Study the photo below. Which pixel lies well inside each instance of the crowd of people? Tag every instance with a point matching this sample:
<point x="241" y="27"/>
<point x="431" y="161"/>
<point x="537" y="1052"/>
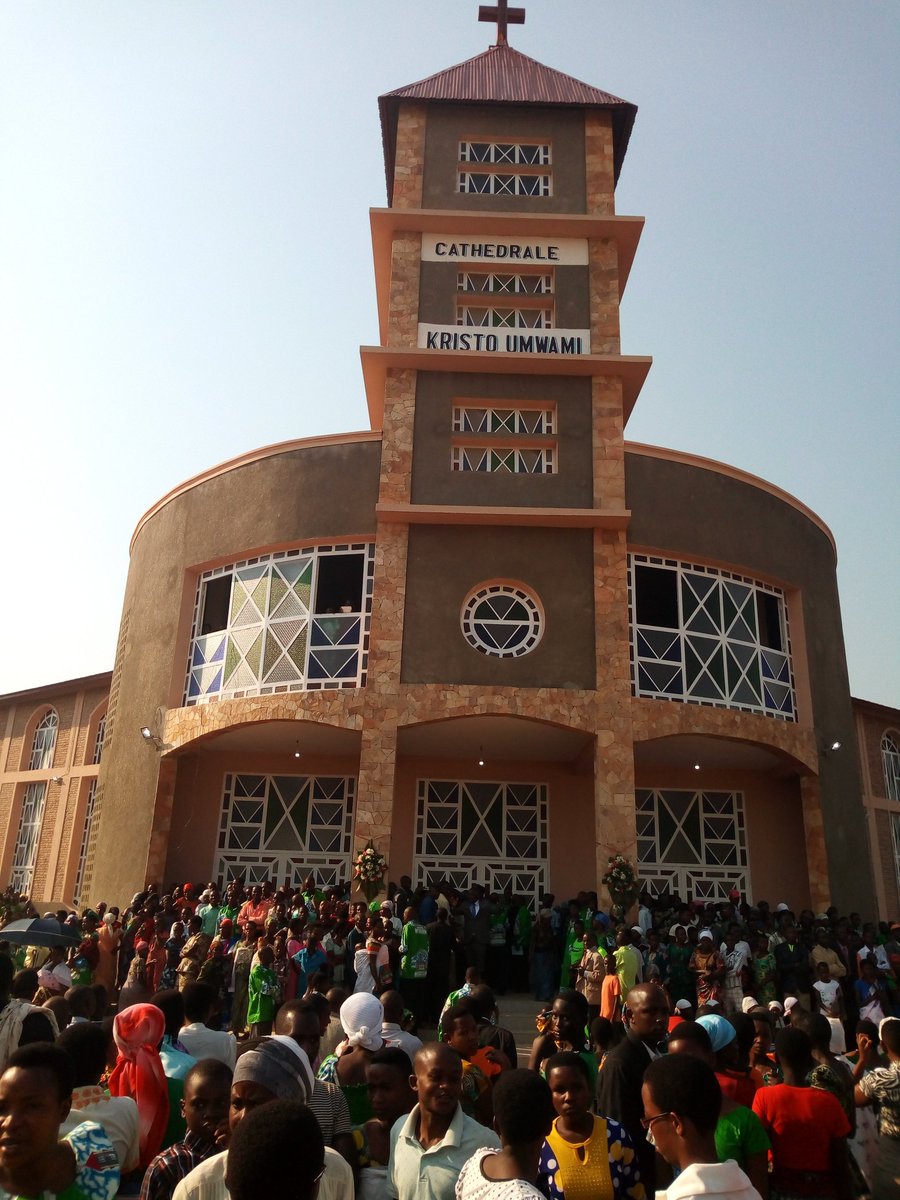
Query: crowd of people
<point x="201" y="1045"/>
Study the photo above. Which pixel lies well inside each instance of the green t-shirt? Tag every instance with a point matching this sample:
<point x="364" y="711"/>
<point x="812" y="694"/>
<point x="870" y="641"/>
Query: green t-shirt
<point x="413" y="951"/>
<point x="739" y="1134"/>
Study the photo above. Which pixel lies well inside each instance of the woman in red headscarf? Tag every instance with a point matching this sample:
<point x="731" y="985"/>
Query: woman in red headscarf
<point x="138" y="1073"/>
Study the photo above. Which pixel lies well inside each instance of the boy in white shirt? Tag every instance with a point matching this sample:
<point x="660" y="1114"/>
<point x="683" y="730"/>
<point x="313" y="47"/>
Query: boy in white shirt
<point x="830" y="1003"/>
<point x="682" y="1099"/>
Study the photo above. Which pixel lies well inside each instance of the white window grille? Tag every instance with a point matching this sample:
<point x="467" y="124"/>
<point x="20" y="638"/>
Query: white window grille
<point x="85" y="836"/>
<point x="99" y="739"/>
<point x="44" y="743"/>
<point x="494" y="460"/>
<point x="490" y="419"/>
<point x="502" y="621"/>
<point x="284" y="827"/>
<point x="515" y="153"/>
<point x="495" y="284"/>
<point x="705" y="636"/>
<point x="295" y="621"/>
<point x="505" y="318"/>
<point x="691" y="843"/>
<point x="477" y="831"/>
<point x="890" y="761"/>
<point x="491" y="184"/>
<point x="25" y="853"/>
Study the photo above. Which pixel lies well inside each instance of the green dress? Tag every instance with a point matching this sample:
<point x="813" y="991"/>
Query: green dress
<point x="262" y="989"/>
<point x="681" y="985"/>
<point x="762" y="965"/>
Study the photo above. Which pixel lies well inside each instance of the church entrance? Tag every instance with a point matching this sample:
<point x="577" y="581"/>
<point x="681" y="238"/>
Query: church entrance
<point x="492" y="833"/>
<point x="284" y="827"/>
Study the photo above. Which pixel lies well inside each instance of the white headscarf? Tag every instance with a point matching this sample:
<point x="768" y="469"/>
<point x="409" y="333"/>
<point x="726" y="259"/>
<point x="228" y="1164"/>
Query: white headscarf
<point x="361" y="1017"/>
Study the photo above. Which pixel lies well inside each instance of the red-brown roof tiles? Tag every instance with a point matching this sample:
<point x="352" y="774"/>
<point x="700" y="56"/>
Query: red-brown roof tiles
<point x="502" y="75"/>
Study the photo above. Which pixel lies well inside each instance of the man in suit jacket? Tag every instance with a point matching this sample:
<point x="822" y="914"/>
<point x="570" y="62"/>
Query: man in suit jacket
<point x="477" y="926"/>
<point x="646" y="1016"/>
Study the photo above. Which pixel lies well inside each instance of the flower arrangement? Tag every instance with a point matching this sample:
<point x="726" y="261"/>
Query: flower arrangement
<point x="621" y="881"/>
<point x="369" y="869"/>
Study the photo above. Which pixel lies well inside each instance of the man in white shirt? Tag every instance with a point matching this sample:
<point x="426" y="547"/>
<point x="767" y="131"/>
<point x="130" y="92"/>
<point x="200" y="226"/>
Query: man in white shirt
<point x="196" y="1037"/>
<point x="430" y="1147"/>
<point x="391" y="1029"/>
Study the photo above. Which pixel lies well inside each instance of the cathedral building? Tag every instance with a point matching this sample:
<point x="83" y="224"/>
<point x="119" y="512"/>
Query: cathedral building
<point x="488" y="634"/>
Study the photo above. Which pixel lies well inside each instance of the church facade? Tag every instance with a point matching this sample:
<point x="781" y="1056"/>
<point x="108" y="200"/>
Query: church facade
<point x="489" y="634"/>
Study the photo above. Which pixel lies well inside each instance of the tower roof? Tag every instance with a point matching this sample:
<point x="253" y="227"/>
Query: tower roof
<point x="502" y="75"/>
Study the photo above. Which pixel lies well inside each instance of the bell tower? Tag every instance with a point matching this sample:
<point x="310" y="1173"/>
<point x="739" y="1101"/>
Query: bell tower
<point x="502" y="396"/>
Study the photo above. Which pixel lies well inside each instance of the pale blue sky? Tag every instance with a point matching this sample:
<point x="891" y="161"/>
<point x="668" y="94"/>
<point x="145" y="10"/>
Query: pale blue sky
<point x="185" y="262"/>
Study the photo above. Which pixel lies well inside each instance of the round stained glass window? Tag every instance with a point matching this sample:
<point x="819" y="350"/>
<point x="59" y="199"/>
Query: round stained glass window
<point x="502" y="620"/>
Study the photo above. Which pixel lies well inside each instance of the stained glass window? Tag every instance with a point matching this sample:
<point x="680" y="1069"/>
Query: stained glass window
<point x="509" y="459"/>
<point x="505" y="318"/>
<point x="286" y="825"/>
<point x="502" y="621"/>
<point x="518" y="153"/>
<point x="890" y="760"/>
<point x="25" y="853"/>
<point x="691" y="843"/>
<point x="496" y="283"/>
<point x="489" y="418"/>
<point x="487" y="832"/>
<point x="295" y="621"/>
<point x="85" y="838"/>
<point x="44" y="743"/>
<point x="99" y="740"/>
<point x="709" y="637"/>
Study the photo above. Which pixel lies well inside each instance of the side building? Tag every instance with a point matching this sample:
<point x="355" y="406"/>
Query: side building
<point x="489" y="634"/>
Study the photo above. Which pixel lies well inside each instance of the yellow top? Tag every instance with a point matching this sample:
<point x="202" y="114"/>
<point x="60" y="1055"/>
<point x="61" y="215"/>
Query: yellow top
<point x="583" y="1172"/>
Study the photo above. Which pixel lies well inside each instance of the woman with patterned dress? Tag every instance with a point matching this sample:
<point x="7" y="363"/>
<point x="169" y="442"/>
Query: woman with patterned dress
<point x="584" y="1156"/>
<point x="244" y="951"/>
<point x="762" y="969"/>
<point x="680" y="983"/>
<point x="881" y="1086"/>
<point x="708" y="967"/>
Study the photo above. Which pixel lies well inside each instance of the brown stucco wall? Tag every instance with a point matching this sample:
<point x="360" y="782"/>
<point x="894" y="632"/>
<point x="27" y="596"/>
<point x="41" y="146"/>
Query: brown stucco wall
<point x="446" y="562"/>
<point x="433" y="480"/>
<point x="449" y="124"/>
<point x="438" y="293"/>
<point x="309" y="494"/>
<point x="689" y="511"/>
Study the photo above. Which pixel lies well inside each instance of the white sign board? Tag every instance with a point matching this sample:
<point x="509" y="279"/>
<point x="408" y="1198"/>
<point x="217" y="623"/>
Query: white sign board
<point x="504" y="341"/>
<point x="502" y="251"/>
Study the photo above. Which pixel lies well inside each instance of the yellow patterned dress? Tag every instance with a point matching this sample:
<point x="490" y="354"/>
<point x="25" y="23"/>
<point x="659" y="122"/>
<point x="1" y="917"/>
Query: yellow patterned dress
<point x="603" y="1167"/>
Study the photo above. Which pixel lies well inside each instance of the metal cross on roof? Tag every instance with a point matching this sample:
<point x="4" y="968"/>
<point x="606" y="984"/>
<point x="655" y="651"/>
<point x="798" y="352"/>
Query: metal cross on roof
<point x="503" y="15"/>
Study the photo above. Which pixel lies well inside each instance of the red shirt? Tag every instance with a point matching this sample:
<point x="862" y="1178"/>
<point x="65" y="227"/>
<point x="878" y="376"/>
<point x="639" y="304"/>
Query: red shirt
<point x="739" y="1086"/>
<point x="802" y="1123"/>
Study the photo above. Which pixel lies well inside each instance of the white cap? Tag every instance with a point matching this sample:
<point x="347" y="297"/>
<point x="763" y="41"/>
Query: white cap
<point x="777" y="1005"/>
<point x="782" y="907"/>
<point x="705" y="933"/>
<point x="789" y="1002"/>
<point x="749" y="1002"/>
<point x="681" y="1005"/>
